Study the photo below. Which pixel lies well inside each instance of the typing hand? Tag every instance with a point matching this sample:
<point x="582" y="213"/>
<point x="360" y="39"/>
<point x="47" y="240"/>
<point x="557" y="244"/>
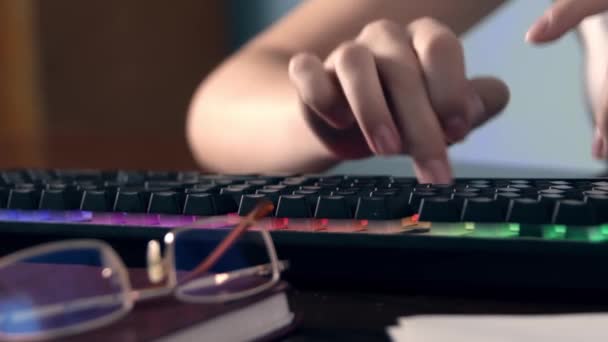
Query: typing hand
<point x="394" y="90"/>
<point x="561" y="17"/>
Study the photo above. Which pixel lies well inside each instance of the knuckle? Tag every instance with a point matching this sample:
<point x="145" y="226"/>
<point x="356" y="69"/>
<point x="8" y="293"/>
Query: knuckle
<point x="440" y="42"/>
<point x="349" y="56"/>
<point x="381" y="31"/>
<point x="425" y="21"/>
<point x="380" y="27"/>
<point x="301" y="64"/>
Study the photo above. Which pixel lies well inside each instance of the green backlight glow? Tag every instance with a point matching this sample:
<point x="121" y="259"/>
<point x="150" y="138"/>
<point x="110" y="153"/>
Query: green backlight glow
<point x="514" y="227"/>
<point x="469" y="225"/>
<point x="554" y="231"/>
<point x="560" y="229"/>
<point x="604" y="229"/>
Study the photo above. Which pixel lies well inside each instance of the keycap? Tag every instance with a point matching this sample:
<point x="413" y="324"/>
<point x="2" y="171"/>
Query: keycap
<point x="483" y="209"/>
<point x="506" y="197"/>
<point x="509" y="190"/>
<point x="3" y="196"/>
<point x="562" y="187"/>
<point x="129" y="202"/>
<point x="26" y="199"/>
<point x="165" y="202"/>
<point x="225" y="204"/>
<point x="551" y="191"/>
<point x="293" y="206"/>
<point x="249" y="201"/>
<point x="416" y="197"/>
<point x="600" y="206"/>
<point x="200" y="204"/>
<point x="333" y="207"/>
<point x="398" y="203"/>
<point x="460" y="197"/>
<point x="237" y="190"/>
<point x="372" y="208"/>
<point x="573" y="212"/>
<point x="527" y="210"/>
<point x="96" y="200"/>
<point x="281" y="188"/>
<point x="439" y="209"/>
<point x="60" y="199"/>
<point x="591" y="193"/>
<point x="271" y="194"/>
<point x="559" y="182"/>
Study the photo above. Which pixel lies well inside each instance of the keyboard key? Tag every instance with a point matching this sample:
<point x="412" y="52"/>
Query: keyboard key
<point x="333" y="207"/>
<point x="416" y="198"/>
<point x="129" y="202"/>
<point x="573" y="212"/>
<point x="25" y="199"/>
<point x="249" y="201"/>
<point x="60" y="199"/>
<point x="3" y="196"/>
<point x="506" y="197"/>
<point x="600" y="206"/>
<point x="527" y="210"/>
<point x="271" y="194"/>
<point x="483" y="209"/>
<point x="372" y="208"/>
<point x="96" y="200"/>
<point x="166" y="202"/>
<point x="293" y="206"/>
<point x="439" y="209"/>
<point x="200" y="204"/>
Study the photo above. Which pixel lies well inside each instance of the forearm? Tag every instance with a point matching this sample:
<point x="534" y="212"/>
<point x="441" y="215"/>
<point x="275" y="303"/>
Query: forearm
<point x="246" y="118"/>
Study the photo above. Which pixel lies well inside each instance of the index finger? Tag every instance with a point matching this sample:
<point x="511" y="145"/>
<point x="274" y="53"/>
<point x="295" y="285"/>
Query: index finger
<point x="563" y="16"/>
<point x="408" y="100"/>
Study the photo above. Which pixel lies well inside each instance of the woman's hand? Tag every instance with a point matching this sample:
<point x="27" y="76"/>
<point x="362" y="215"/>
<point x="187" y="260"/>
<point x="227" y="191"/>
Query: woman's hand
<point x="395" y="90"/>
<point x="561" y="17"/>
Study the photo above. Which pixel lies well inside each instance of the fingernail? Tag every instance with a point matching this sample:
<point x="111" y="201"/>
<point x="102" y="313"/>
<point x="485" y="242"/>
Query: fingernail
<point x="538" y="29"/>
<point x="386" y="141"/>
<point x="436" y="171"/>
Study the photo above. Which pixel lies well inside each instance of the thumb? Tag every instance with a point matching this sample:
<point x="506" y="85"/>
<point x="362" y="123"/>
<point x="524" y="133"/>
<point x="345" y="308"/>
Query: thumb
<point x="561" y="17"/>
<point x="494" y="95"/>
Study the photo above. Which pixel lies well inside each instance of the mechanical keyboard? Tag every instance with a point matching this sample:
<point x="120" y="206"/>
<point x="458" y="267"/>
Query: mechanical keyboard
<point x="342" y="231"/>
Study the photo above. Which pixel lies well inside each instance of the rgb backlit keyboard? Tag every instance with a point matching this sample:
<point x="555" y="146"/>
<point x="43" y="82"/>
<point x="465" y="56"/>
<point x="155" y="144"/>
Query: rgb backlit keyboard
<point x="367" y="231"/>
<point x="534" y="201"/>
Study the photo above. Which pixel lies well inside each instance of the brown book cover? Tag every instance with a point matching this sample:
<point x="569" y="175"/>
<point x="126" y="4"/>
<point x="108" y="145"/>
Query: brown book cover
<point x="258" y="318"/>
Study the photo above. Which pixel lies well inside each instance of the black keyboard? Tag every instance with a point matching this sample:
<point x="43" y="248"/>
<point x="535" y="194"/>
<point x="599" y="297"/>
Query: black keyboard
<point x="338" y="230"/>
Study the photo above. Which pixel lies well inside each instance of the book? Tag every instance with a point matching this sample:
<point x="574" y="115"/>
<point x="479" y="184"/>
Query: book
<point x="168" y="319"/>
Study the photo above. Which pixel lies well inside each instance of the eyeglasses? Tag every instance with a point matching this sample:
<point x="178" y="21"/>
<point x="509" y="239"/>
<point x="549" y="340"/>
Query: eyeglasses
<point x="68" y="287"/>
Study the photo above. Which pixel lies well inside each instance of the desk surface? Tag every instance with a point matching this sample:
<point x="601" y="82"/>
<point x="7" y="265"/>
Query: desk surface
<point x="356" y="316"/>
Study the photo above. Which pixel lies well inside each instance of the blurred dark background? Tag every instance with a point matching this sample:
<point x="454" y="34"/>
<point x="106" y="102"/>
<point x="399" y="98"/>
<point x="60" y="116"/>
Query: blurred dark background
<point x="106" y="84"/>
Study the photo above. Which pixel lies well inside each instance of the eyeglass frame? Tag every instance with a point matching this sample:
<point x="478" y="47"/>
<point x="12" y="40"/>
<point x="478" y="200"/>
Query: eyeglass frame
<point x="129" y="295"/>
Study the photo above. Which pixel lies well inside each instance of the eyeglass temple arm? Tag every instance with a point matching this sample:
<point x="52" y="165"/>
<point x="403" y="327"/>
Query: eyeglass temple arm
<point x="262" y="209"/>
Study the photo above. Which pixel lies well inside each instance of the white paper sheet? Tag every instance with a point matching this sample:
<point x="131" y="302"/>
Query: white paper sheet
<point x="502" y="328"/>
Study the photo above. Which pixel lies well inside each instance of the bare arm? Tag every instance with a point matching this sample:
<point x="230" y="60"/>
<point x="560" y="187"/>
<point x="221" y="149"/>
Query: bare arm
<point x="247" y="117"/>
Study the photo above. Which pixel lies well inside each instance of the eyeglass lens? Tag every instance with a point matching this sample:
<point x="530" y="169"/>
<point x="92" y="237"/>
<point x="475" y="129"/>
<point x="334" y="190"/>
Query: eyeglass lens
<point x="59" y="289"/>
